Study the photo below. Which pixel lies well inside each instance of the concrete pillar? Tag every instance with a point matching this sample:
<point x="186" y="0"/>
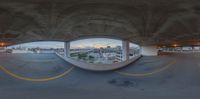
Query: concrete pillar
<point x="67" y="49"/>
<point x="125" y="50"/>
<point x="149" y="50"/>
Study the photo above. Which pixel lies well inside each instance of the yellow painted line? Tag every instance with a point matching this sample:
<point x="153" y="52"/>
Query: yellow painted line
<point x="35" y="79"/>
<point x="149" y="73"/>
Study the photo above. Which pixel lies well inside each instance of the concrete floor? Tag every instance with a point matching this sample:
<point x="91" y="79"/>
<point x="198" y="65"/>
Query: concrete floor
<point x="180" y="81"/>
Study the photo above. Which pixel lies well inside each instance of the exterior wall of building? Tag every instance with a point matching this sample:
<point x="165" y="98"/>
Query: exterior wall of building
<point x="119" y="57"/>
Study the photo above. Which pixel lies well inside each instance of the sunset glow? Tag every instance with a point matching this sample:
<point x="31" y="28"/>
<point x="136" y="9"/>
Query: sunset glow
<point x="95" y="43"/>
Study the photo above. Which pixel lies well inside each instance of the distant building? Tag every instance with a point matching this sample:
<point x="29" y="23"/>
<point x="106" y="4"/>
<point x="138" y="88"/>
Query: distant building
<point x="119" y="57"/>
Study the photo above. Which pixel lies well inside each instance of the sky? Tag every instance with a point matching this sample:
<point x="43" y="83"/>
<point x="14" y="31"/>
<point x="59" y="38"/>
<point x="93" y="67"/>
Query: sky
<point x="95" y="42"/>
<point x="41" y="44"/>
<point x="92" y="42"/>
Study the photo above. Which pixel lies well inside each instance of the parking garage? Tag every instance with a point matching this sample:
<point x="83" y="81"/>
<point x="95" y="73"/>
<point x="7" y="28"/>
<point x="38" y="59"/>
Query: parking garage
<point x="94" y="49"/>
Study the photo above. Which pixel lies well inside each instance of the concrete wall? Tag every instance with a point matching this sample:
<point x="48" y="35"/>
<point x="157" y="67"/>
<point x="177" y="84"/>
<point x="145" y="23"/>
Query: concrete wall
<point x="21" y="51"/>
<point x="99" y="67"/>
<point x="149" y="50"/>
<point x="2" y="49"/>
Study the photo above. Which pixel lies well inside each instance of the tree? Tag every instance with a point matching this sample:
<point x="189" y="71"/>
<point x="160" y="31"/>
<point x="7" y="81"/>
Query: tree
<point x="91" y="57"/>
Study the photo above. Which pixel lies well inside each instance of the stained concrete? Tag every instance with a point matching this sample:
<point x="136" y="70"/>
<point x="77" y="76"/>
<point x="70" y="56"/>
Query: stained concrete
<point x="179" y="81"/>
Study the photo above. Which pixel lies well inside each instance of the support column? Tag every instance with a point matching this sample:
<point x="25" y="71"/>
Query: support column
<point x="149" y="50"/>
<point x="67" y="49"/>
<point x="125" y="50"/>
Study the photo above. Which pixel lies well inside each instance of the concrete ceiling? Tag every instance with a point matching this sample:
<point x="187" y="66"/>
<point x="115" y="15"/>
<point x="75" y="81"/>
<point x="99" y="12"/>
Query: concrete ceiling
<point x="144" y="22"/>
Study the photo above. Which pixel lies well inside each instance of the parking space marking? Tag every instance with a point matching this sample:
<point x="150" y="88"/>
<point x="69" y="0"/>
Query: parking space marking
<point x="35" y="79"/>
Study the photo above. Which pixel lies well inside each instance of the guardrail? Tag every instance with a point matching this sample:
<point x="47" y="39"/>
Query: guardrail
<point x="98" y="67"/>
